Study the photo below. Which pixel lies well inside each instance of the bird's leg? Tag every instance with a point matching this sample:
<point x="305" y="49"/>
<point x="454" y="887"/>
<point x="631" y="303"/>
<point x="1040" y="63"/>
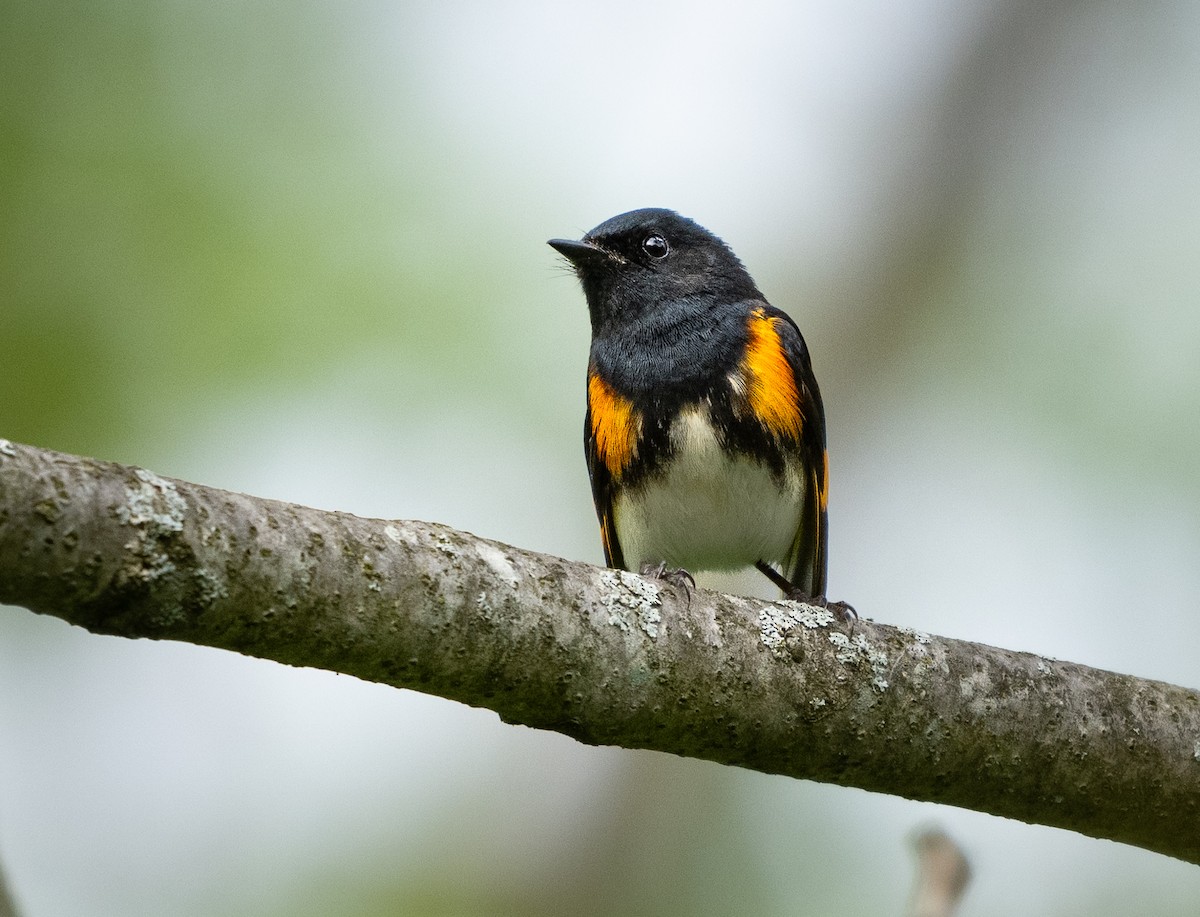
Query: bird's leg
<point x="844" y="610"/>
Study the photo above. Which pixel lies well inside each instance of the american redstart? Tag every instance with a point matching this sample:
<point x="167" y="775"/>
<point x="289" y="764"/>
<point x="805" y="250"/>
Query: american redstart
<point x="704" y="433"/>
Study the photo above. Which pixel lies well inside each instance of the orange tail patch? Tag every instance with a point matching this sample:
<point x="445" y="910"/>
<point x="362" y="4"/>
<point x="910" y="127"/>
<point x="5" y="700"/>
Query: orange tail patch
<point x="616" y="425"/>
<point x="824" y="485"/>
<point x="770" y="381"/>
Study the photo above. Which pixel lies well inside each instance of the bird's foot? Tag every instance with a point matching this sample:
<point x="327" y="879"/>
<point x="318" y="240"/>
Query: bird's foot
<point x="843" y="610"/>
<point x="678" y="577"/>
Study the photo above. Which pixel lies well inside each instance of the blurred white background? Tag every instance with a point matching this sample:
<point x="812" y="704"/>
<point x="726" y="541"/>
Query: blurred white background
<point x="298" y="251"/>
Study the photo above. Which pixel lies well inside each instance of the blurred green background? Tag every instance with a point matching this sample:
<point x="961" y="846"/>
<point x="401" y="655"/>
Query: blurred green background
<point x="298" y="250"/>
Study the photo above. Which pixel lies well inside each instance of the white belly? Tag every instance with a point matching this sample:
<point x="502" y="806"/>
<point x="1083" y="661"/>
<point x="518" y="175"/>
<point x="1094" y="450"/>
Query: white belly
<point x="710" y="511"/>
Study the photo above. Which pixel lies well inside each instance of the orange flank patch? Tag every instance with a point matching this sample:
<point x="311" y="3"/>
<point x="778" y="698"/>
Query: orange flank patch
<point x="770" y="382"/>
<point x="615" y="425"/>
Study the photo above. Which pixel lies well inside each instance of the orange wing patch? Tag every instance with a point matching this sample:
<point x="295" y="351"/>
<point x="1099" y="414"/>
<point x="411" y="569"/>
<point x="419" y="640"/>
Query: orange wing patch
<point x="770" y="381"/>
<point x="616" y="425"/>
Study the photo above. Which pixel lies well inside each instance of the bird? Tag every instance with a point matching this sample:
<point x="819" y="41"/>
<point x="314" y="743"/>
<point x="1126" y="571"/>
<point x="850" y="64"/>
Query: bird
<point x="704" y="431"/>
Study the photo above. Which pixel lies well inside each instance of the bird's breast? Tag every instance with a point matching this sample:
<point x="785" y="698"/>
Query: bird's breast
<point x="708" y="507"/>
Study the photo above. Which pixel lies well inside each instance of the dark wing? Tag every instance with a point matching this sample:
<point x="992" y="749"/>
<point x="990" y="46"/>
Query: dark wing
<point x="805" y="567"/>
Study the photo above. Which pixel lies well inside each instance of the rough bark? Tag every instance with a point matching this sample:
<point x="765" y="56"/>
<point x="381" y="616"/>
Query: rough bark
<point x="603" y="656"/>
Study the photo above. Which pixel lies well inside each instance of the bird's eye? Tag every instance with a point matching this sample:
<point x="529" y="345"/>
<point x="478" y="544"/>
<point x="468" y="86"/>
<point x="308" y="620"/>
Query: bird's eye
<point x="655" y="246"/>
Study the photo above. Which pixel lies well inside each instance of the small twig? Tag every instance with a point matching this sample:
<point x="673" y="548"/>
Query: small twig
<point x="942" y="875"/>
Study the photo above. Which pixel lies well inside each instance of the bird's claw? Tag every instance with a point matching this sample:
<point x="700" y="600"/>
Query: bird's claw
<point x="677" y="577"/>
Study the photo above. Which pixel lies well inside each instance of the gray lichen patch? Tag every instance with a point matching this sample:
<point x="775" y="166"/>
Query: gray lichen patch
<point x="926" y="657"/>
<point x="154" y="504"/>
<point x="853" y="651"/>
<point x="155" y="509"/>
<point x="397" y="535"/>
<point x="631" y="601"/>
<point x="208" y="589"/>
<point x="371" y="573"/>
<point x="919" y="636"/>
<point x="774" y="622"/>
<point x="498" y="563"/>
<point x="978" y="692"/>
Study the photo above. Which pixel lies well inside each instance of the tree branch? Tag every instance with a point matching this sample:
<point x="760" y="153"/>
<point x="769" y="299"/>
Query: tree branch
<point x="600" y="655"/>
